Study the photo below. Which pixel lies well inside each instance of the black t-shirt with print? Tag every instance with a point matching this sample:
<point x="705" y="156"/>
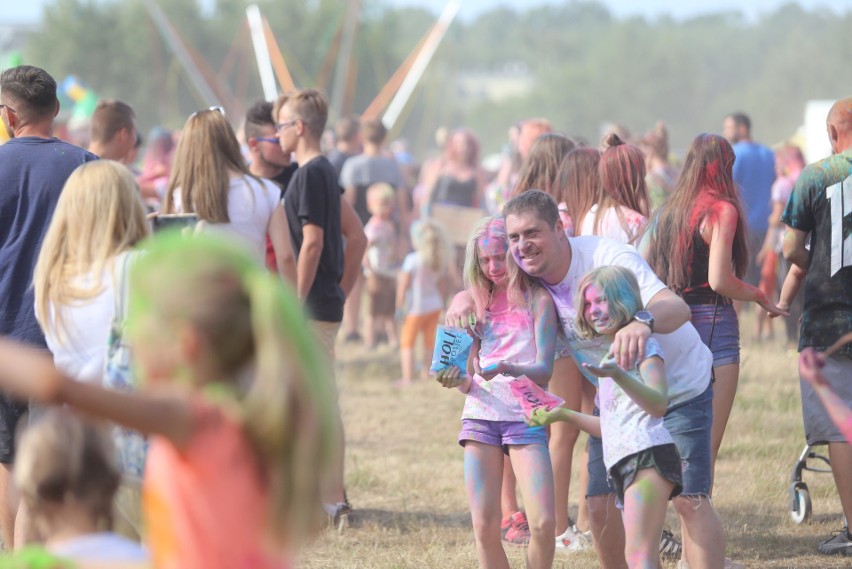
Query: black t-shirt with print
<point x="313" y="196"/>
<point x="821" y="204"/>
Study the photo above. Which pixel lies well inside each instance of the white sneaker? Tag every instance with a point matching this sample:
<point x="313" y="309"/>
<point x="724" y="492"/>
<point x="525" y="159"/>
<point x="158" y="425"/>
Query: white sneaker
<point x="573" y="540"/>
<point x="729" y="564"/>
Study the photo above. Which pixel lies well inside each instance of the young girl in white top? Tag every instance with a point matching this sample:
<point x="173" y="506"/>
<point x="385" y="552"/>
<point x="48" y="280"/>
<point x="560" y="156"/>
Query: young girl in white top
<point x="98" y="218"/>
<point x="518" y="341"/>
<point x="421" y="291"/>
<point x="67" y="475"/>
<point x="639" y="453"/>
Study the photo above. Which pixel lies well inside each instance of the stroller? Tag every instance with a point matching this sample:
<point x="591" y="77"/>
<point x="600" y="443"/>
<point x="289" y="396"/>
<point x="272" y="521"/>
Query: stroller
<point x="801" y="507"/>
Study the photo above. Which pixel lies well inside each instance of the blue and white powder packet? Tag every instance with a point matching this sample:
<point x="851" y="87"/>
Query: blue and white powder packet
<point x="452" y="348"/>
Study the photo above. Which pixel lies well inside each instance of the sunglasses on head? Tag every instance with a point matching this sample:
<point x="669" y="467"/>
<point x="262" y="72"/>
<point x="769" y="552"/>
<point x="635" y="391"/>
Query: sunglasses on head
<point x="219" y="109"/>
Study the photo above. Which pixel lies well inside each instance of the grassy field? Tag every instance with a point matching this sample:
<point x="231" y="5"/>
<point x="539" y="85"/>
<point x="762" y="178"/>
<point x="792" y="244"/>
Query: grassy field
<point x="404" y="473"/>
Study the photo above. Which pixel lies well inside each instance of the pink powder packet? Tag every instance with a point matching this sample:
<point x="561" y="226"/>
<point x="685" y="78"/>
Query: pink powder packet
<point x="531" y="396"/>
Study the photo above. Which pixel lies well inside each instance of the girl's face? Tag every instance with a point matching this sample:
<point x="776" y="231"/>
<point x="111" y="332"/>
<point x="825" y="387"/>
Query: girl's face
<point x="492" y="258"/>
<point x="596" y="310"/>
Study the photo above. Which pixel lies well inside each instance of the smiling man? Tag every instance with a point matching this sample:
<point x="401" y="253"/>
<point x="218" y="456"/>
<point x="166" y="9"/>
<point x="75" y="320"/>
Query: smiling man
<point x="539" y="245"/>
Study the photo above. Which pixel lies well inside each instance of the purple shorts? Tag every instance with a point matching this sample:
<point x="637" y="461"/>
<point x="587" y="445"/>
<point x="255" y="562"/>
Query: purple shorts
<point x="501" y="433"/>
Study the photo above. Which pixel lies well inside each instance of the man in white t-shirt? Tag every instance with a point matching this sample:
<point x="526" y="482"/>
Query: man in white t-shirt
<point x="541" y="248"/>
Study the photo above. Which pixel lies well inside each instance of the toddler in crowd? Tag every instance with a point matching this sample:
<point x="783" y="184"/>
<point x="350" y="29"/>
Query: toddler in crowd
<point x="421" y="293"/>
<point x="380" y="264"/>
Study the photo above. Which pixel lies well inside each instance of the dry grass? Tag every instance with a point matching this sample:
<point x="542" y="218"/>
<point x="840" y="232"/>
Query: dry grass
<point x="404" y="473"/>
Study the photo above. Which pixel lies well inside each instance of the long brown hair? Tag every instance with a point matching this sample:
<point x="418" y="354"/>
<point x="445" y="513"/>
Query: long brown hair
<point x="541" y="166"/>
<point x="578" y="183"/>
<point x="622" y="171"/>
<point x="706" y="179"/>
<point x="206" y="152"/>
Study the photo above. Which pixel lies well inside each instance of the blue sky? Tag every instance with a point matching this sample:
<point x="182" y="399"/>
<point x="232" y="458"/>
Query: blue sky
<point x="29" y="11"/>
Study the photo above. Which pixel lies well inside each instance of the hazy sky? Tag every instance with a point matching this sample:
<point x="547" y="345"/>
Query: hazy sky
<point x="29" y="11"/>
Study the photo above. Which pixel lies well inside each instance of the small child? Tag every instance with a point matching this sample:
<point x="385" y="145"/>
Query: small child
<point x="422" y="280"/>
<point x="239" y="406"/>
<point x="639" y="452"/>
<point x="68" y="477"/>
<point x="518" y="340"/>
<point x="380" y="264"/>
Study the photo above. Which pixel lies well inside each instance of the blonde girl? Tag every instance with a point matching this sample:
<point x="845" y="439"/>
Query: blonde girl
<point x="421" y="293"/>
<point x="238" y="405"/>
<point x="67" y="476"/>
<point x="99" y="217"/>
<point x="518" y="340"/>
<point x="639" y="453"/>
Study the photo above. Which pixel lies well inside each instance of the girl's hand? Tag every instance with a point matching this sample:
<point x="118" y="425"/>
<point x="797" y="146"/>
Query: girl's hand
<point x="28" y="373"/>
<point x="450" y="377"/>
<point x="783" y="307"/>
<point x="770" y="308"/>
<point x="490" y="372"/>
<point x="811" y="363"/>
<point x="541" y="417"/>
<point x="607" y="368"/>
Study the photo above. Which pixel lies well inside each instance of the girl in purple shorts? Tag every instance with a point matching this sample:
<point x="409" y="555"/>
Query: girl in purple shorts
<point x="518" y="339"/>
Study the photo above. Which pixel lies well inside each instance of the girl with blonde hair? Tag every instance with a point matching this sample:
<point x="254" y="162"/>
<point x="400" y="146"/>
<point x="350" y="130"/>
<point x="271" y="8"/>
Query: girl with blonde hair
<point x="99" y="218"/>
<point x="421" y="292"/>
<point x="518" y="341"/>
<point x="237" y="402"/>
<point x="209" y="178"/>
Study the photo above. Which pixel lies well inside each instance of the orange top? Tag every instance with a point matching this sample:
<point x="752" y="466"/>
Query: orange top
<point x="205" y="505"/>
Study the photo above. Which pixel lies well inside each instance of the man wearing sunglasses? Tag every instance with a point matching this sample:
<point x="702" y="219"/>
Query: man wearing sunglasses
<point x="268" y="160"/>
<point x="33" y="169"/>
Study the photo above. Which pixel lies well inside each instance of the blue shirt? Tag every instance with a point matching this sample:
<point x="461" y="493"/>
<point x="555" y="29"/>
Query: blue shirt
<point x="754" y="173"/>
<point x="32" y="173"/>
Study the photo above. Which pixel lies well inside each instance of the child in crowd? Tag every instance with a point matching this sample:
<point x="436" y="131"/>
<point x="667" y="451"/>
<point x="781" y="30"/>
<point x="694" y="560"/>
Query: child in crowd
<point x="237" y="402"/>
<point x="67" y="475"/>
<point x="518" y="339"/>
<point x="421" y="293"/>
<point x="380" y="264"/>
<point x="639" y="452"/>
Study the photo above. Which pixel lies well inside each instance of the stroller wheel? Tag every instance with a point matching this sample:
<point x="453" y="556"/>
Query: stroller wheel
<point x="800" y="507"/>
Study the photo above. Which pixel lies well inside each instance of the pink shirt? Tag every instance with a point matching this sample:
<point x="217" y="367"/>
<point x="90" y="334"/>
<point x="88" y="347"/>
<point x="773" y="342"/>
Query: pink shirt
<point x="205" y="506"/>
<point x="508" y="334"/>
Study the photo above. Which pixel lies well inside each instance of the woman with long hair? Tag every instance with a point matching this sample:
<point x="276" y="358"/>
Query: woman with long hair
<point x="209" y="178"/>
<point x="621" y="210"/>
<point x="577" y="186"/>
<point x="539" y="170"/>
<point x="456" y="179"/>
<point x="697" y="246"/>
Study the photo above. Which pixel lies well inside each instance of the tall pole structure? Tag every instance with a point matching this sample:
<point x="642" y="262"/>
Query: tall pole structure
<point x="344" y="58"/>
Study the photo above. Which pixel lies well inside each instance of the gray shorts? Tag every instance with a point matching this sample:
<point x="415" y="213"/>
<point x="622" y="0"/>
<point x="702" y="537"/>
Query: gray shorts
<point x="819" y="428"/>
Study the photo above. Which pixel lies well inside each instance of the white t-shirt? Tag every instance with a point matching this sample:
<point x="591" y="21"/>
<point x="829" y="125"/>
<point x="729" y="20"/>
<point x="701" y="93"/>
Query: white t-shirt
<point x="425" y="295"/>
<point x="688" y="360"/>
<point x="625" y="427"/>
<point x="250" y="205"/>
<point x="81" y="352"/>
<point x="105" y="546"/>
<point x="610" y="225"/>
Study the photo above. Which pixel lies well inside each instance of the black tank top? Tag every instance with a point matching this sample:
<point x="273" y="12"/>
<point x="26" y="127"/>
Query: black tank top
<point x="698" y="290"/>
<point x="450" y="190"/>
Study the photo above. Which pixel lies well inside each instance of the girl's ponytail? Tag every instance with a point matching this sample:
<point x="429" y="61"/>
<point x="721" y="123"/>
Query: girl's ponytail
<point x="289" y="407"/>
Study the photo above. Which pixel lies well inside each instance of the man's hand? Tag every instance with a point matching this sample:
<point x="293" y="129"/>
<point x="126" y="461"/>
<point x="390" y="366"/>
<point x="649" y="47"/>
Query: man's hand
<point x="628" y="346"/>
<point x="461" y="314"/>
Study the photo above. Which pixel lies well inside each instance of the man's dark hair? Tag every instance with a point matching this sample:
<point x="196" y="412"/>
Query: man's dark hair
<point x="536" y="201"/>
<point x="258" y="115"/>
<point x="31" y="92"/>
<point x="111" y="116"/>
<point x="741" y="119"/>
<point x="374" y="131"/>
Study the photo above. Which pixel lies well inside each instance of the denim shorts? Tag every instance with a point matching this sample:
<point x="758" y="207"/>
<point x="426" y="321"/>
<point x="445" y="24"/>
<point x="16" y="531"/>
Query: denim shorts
<point x="689" y="425"/>
<point x="725" y="342"/>
<point x="501" y="433"/>
<point x="663" y="458"/>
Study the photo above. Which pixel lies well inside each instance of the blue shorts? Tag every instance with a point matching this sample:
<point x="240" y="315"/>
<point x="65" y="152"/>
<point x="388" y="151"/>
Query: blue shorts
<point x="725" y="343"/>
<point x="501" y="433"/>
<point x="689" y="424"/>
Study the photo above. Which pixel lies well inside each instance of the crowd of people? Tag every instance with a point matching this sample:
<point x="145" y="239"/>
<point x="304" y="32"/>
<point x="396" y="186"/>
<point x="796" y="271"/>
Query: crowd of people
<point x="194" y="303"/>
